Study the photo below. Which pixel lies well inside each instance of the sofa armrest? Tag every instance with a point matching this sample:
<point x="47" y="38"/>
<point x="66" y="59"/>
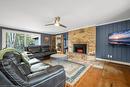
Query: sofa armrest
<point x="49" y="77"/>
<point x="33" y="61"/>
<point x="5" y="82"/>
<point x="30" y="55"/>
<point x="39" y="67"/>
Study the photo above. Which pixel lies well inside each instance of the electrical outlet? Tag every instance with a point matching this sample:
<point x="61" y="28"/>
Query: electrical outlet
<point x="110" y="56"/>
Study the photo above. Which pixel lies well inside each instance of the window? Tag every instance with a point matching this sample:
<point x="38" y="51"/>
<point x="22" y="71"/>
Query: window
<point x="19" y="40"/>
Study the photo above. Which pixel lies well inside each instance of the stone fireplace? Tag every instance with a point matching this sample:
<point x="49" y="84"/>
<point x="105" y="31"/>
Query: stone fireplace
<point x="80" y="48"/>
<point x="82" y="43"/>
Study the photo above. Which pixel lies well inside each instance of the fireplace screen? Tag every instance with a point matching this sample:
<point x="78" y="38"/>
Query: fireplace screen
<point x="80" y="48"/>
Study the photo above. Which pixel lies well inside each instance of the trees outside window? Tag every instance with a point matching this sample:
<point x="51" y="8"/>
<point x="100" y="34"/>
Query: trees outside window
<point x="21" y="40"/>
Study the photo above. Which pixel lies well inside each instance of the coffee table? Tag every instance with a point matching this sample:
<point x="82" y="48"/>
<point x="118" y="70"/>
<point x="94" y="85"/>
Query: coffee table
<point x="59" y="56"/>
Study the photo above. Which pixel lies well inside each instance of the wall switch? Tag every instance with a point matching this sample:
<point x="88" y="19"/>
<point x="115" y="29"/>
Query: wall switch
<point x="108" y="55"/>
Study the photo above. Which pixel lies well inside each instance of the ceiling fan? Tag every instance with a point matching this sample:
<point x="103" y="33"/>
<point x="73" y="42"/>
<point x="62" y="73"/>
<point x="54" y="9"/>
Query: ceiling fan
<point x="57" y="22"/>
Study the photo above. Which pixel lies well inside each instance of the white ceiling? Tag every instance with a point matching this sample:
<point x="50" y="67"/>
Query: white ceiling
<point x="32" y="15"/>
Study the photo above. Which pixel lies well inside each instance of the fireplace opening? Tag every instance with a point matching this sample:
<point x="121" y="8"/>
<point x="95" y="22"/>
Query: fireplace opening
<point x="80" y="48"/>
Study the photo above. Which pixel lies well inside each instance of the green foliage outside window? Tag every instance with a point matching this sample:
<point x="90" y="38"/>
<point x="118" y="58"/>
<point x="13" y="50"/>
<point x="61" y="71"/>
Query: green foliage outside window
<point x="19" y="41"/>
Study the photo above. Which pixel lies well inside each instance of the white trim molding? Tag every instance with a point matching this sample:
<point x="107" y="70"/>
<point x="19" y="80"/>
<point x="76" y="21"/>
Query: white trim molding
<point x="113" y="61"/>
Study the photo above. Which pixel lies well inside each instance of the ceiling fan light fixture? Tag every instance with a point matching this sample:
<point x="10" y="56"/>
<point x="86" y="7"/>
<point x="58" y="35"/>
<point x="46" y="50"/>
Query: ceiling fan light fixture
<point x="57" y="24"/>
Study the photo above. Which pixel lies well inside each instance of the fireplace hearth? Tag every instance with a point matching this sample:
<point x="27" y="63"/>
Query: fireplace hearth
<point x="80" y="48"/>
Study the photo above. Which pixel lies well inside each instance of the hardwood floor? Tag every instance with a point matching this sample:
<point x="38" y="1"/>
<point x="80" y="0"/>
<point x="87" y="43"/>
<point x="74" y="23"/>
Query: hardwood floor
<point x="112" y="75"/>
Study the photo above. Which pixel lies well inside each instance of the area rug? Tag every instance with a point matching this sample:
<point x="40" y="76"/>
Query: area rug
<point x="74" y="71"/>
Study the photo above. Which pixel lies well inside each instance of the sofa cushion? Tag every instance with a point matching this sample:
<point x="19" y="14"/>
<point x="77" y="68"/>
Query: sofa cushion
<point x="38" y="55"/>
<point x="48" y="53"/>
<point x="24" y="68"/>
<point x="45" y="49"/>
<point x="34" y="49"/>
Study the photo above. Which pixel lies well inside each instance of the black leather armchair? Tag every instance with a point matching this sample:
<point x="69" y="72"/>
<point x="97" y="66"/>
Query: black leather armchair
<point x="14" y="72"/>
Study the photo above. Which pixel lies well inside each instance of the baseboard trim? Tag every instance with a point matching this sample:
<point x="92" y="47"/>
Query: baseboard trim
<point x="113" y="61"/>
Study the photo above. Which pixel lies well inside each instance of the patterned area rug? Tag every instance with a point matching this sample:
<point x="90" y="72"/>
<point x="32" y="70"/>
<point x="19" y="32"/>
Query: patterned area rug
<point x="73" y="70"/>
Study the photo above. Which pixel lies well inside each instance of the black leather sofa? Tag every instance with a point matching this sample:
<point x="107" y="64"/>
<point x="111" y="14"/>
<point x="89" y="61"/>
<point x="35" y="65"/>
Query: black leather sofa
<point x="15" y="73"/>
<point x="40" y="51"/>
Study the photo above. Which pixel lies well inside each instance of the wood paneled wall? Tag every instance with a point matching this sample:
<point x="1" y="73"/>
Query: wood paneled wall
<point x="103" y="49"/>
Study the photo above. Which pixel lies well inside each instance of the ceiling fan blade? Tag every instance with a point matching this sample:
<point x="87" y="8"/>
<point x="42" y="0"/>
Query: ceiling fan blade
<point x="49" y="24"/>
<point x="63" y="26"/>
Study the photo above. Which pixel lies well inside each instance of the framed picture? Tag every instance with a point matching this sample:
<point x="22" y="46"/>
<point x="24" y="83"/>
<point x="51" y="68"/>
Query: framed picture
<point x="46" y="39"/>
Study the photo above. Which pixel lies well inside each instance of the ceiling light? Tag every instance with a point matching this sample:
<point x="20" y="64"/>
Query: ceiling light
<point x="57" y="24"/>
